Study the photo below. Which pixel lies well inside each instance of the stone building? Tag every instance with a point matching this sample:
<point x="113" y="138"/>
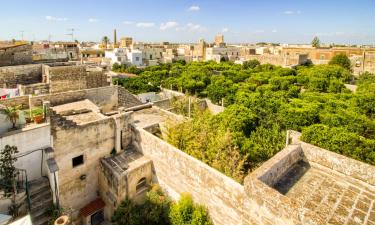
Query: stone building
<point x="15" y="54"/>
<point x="51" y="78"/>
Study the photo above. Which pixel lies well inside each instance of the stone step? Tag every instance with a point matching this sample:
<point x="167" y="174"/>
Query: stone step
<point x="45" y="203"/>
<point x="39" y="185"/>
<point x="44" y="193"/>
<point x="43" y="219"/>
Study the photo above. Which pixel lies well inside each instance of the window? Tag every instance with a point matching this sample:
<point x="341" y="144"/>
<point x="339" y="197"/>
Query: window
<point x="322" y="57"/>
<point x="77" y="161"/>
<point x="136" y="58"/>
<point x="141" y="185"/>
<point x="150" y="56"/>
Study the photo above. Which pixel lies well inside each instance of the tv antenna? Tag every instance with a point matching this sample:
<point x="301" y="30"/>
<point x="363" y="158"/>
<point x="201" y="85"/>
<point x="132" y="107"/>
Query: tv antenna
<point x="71" y="33"/>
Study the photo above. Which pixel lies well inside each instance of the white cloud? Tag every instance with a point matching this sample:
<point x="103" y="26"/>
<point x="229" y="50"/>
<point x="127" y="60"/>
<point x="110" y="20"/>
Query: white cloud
<point x="195" y="27"/>
<point x="274" y="31"/>
<point x="128" y="22"/>
<point x="168" y="25"/>
<point x="194" y="8"/>
<point x="290" y="12"/>
<point x="93" y="20"/>
<point x="225" y="30"/>
<point x="145" y="24"/>
<point x="52" y="18"/>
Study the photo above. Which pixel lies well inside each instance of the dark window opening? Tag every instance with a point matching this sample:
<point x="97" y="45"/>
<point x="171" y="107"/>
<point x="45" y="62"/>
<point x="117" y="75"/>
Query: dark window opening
<point x="141" y="186"/>
<point x="77" y="161"/>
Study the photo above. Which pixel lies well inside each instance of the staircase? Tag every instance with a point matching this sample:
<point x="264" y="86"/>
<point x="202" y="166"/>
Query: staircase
<point x="41" y="200"/>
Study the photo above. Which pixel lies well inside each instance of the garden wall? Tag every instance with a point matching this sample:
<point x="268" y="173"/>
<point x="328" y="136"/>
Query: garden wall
<point x="178" y="172"/>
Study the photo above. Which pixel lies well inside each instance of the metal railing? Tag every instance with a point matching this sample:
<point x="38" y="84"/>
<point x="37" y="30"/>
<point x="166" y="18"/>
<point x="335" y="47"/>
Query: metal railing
<point x="19" y="185"/>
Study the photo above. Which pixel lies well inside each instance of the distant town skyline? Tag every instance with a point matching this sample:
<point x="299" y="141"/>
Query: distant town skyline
<point x="289" y="21"/>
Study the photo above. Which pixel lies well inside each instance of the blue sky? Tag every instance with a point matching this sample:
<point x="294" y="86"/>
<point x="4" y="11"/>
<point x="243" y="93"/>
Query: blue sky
<point x="285" y="21"/>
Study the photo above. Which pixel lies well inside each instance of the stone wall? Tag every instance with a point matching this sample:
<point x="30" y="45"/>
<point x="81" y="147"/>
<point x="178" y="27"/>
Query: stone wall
<point x="10" y="76"/>
<point x="16" y="55"/>
<point x="30" y="89"/>
<point x="67" y="78"/>
<point x="278" y="60"/>
<point x="64" y="78"/>
<point x="178" y="172"/>
<point x="126" y="99"/>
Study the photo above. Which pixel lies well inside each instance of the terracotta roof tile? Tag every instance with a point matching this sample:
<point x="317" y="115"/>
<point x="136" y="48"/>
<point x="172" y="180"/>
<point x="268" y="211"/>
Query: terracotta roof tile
<point x="92" y="207"/>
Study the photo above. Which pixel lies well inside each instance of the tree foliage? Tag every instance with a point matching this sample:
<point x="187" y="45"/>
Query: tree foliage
<point x="8" y="171"/>
<point x="341" y="60"/>
<point x="315" y="42"/>
<point x="159" y="209"/>
<point x="262" y="102"/>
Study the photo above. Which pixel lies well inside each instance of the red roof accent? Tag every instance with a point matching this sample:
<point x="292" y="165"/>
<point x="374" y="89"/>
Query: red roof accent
<point x="92" y="207"/>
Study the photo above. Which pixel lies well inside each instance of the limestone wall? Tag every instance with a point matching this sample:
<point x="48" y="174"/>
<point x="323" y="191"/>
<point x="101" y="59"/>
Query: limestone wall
<point x="10" y="76"/>
<point x="66" y="78"/>
<point x="126" y="99"/>
<point x="278" y="60"/>
<point x="178" y="172"/>
<point x="17" y="55"/>
<point x="38" y="88"/>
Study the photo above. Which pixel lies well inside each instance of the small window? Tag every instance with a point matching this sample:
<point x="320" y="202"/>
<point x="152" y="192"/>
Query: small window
<point x="141" y="186"/>
<point x="136" y="58"/>
<point x="77" y="161"/>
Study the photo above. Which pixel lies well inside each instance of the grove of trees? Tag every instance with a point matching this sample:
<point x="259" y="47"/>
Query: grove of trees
<point x="262" y="102"/>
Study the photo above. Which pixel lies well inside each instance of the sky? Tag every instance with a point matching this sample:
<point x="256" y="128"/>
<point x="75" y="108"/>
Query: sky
<point x="240" y="21"/>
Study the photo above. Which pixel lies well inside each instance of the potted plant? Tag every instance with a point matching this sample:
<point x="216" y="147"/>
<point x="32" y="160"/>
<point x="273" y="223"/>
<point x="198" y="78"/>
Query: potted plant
<point x="12" y="114"/>
<point x="37" y="114"/>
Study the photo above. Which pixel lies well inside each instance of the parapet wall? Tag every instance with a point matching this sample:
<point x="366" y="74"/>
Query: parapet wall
<point x="178" y="172"/>
<point x="16" y="55"/>
<point x="105" y="97"/>
<point x="10" y="76"/>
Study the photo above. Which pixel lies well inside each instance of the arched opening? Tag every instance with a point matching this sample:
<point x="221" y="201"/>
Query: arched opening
<point x="141" y="185"/>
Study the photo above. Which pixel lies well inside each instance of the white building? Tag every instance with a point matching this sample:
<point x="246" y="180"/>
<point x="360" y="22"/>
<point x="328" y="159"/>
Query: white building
<point x="117" y="55"/>
<point x="217" y="53"/>
<point x="135" y="57"/>
<point x="124" y="56"/>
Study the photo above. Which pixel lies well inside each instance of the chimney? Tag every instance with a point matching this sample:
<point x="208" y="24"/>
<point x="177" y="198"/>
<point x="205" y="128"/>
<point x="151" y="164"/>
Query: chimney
<point x="114" y="39"/>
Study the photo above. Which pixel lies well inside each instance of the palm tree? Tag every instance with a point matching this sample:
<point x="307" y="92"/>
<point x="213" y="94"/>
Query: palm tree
<point x="12" y="114"/>
<point x="105" y="41"/>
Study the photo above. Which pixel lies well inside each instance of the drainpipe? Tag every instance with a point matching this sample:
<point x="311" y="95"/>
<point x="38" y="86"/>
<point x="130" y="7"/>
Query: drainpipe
<point x="117" y="133"/>
<point x="56" y="191"/>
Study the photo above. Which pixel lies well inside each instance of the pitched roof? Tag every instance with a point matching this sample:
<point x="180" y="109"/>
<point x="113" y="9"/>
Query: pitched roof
<point x="92" y="207"/>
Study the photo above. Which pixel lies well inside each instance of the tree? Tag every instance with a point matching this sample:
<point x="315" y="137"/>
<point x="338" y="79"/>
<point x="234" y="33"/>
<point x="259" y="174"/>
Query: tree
<point x="12" y="114"/>
<point x="105" y="41"/>
<point x="154" y="211"/>
<point x="8" y="171"/>
<point x="341" y="60"/>
<point x="186" y="212"/>
<point x="315" y="42"/>
<point x="251" y="64"/>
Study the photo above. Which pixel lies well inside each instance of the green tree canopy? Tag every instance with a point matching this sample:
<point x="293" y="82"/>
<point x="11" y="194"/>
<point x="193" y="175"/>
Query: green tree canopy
<point x="341" y="60"/>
